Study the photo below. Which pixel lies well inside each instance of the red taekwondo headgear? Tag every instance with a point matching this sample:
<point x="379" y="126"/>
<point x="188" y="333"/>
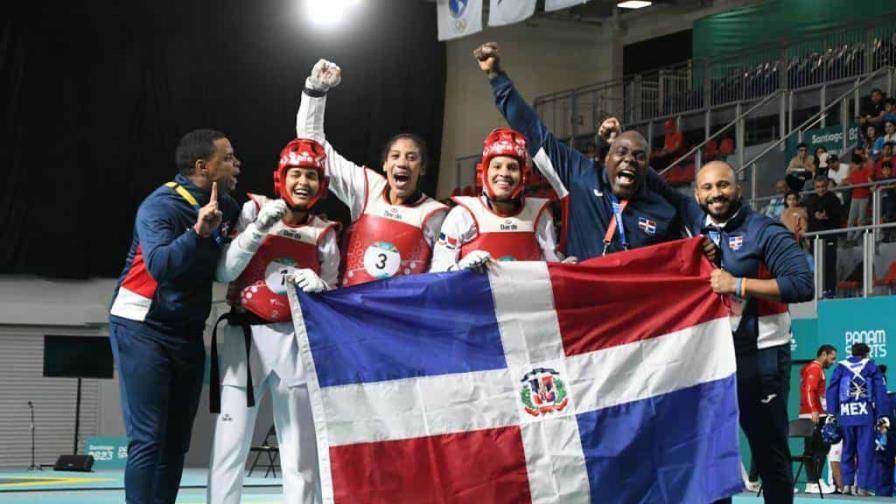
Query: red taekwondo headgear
<point x="301" y="153"/>
<point x="504" y="142"/>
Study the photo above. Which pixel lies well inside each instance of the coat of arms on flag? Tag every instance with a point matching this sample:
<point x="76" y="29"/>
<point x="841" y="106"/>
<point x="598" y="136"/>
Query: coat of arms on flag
<point x="735" y="242"/>
<point x="648" y="225"/>
<point x="529" y="383"/>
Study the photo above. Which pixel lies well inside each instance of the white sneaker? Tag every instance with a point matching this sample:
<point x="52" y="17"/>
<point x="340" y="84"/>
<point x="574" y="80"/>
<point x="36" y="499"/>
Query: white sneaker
<point x="752" y="486"/>
<point x="813" y="488"/>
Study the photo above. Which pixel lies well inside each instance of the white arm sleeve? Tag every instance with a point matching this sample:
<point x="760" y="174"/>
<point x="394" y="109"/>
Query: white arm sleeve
<point x="459" y="228"/>
<point x="546" y="235"/>
<point x="347" y="180"/>
<point x="328" y="254"/>
<point x="433" y="226"/>
<point x="237" y="254"/>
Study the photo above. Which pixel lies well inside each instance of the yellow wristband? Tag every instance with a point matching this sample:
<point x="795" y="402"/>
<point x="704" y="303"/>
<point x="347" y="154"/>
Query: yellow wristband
<point x="743" y="288"/>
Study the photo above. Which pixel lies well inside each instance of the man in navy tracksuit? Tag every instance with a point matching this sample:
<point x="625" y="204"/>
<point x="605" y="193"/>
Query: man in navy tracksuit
<point x="605" y="208"/>
<point x="159" y="308"/>
<point x="857" y="397"/>
<point x="762" y="268"/>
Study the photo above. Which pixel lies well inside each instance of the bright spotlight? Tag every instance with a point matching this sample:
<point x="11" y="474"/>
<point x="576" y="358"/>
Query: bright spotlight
<point x="327" y="12"/>
<point x="634" y="4"/>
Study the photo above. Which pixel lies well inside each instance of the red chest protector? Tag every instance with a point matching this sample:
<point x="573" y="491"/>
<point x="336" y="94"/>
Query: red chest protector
<point x="387" y="240"/>
<point x="506" y="238"/>
<point x="261" y="288"/>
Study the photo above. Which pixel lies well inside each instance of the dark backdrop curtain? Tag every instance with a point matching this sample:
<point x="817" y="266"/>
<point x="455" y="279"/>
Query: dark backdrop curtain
<point x="95" y="95"/>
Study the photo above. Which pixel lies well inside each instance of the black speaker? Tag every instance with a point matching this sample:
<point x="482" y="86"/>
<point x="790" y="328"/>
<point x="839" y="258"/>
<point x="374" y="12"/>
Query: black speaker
<point x="82" y="463"/>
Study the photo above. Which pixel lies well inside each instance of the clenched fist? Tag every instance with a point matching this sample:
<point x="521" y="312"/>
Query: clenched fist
<point x="324" y="75"/>
<point x="609" y="129"/>
<point x="488" y="58"/>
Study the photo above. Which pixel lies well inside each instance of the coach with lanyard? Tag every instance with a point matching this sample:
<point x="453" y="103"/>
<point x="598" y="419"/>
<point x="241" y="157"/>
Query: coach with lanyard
<point x="160" y="306"/>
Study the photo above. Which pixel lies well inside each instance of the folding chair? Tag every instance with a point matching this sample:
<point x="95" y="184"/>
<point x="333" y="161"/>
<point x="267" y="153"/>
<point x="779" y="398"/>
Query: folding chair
<point x="270" y="447"/>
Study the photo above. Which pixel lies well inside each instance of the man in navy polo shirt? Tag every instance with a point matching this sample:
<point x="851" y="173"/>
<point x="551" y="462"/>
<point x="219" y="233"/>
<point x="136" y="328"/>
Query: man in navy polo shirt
<point x="762" y="269"/>
<point x="159" y="308"/>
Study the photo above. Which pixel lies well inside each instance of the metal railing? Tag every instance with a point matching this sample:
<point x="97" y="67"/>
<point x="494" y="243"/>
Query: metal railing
<point x="818" y="116"/>
<point x="805" y="125"/>
<point x="869" y="241"/>
<point x="698" y="149"/>
<point x="844" y="52"/>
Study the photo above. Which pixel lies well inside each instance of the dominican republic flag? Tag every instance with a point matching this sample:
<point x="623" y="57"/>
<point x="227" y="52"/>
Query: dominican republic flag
<point x="609" y="381"/>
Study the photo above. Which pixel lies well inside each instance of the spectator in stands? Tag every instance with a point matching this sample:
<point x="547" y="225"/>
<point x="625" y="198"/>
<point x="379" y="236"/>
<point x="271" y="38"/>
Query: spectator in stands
<point x="800" y="169"/>
<point x="835" y="172"/>
<point x="870" y="142"/>
<point x="825" y="213"/>
<point x="890" y="110"/>
<point x="889" y="136"/>
<point x="861" y="171"/>
<point x="794" y="217"/>
<point x="872" y="110"/>
<point x="820" y="160"/>
<point x="673" y="146"/>
<point x="887" y="197"/>
<point x="886" y="156"/>
<point x="776" y="205"/>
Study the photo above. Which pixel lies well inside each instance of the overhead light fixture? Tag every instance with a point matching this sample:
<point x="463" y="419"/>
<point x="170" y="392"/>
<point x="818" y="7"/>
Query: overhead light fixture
<point x="634" y="4"/>
<point x="328" y="12"/>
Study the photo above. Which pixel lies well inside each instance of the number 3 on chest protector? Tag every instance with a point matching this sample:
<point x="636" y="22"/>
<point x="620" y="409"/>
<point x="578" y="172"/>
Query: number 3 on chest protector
<point x="275" y="274"/>
<point x="382" y="260"/>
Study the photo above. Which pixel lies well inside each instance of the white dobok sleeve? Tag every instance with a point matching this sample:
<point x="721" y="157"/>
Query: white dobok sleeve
<point x="328" y="254"/>
<point x="546" y="235"/>
<point x="237" y="254"/>
<point x="458" y="228"/>
<point x="347" y="179"/>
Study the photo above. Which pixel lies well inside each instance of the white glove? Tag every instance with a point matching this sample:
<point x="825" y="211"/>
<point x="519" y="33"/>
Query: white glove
<point x="307" y="280"/>
<point x="476" y="259"/>
<point x="270" y="213"/>
<point x="324" y="75"/>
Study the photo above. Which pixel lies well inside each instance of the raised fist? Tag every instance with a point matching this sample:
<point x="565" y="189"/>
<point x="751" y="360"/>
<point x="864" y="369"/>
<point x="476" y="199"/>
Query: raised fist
<point x="609" y="129"/>
<point x="324" y="75"/>
<point x="488" y="58"/>
<point x="270" y="213"/>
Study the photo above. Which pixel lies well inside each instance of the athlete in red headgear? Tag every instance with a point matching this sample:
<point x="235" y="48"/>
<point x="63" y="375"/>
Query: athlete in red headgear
<point x="279" y="242"/>
<point x="501" y="224"/>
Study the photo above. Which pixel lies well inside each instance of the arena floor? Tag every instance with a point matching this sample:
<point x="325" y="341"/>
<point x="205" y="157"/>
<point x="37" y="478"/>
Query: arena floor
<point x="107" y="487"/>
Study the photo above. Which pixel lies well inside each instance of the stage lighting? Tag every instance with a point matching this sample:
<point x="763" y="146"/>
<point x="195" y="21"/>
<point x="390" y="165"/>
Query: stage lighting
<point x="634" y="4"/>
<point x="327" y="12"/>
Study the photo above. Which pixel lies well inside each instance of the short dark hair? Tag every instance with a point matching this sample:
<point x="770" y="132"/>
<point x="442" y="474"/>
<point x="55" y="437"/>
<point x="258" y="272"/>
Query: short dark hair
<point x="195" y="145"/>
<point x="860" y="350"/>
<point x="421" y="144"/>
<point x="788" y="193"/>
<point x="877" y="90"/>
<point x="820" y="178"/>
<point x="802" y="145"/>
<point x="832" y="158"/>
<point x="823" y="349"/>
<point x="891" y="101"/>
<point x="891" y="122"/>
